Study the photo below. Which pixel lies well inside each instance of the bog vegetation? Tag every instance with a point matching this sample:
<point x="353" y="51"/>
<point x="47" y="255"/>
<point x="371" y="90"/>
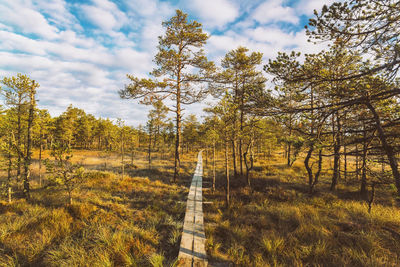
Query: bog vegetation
<point x="301" y="169"/>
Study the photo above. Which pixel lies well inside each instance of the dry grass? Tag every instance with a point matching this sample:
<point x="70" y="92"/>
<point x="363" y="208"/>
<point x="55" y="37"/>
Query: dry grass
<point x="137" y="220"/>
<point x="114" y="221"/>
<point x="277" y="223"/>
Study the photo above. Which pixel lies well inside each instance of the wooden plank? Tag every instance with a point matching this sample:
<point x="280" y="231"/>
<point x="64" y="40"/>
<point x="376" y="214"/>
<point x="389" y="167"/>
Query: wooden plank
<point x="192" y="251"/>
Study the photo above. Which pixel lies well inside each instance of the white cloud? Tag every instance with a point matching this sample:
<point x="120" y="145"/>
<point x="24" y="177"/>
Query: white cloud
<point x="57" y="13"/>
<point x="307" y="6"/>
<point x="215" y="13"/>
<point x="273" y="11"/>
<point x="105" y="15"/>
<point x="22" y="17"/>
<point x="12" y="41"/>
<point x="266" y="39"/>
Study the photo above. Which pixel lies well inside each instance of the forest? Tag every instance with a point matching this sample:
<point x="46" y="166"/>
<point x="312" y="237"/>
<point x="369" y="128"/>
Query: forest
<point x="300" y="155"/>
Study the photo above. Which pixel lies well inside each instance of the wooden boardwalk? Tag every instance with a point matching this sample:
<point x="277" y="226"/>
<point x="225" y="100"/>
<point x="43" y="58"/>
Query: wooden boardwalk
<point x="192" y="252"/>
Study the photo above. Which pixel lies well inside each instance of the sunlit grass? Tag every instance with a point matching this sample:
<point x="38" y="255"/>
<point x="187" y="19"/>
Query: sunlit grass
<point x="277" y="223"/>
<point x="131" y="221"/>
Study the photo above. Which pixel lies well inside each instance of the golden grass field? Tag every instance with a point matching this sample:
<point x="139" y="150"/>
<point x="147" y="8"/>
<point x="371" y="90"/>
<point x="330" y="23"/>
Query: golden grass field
<point x="277" y="223"/>
<point x="114" y="221"/>
<point x="137" y="220"/>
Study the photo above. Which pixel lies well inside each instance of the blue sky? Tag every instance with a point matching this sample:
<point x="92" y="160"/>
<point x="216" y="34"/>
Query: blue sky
<point x="81" y="51"/>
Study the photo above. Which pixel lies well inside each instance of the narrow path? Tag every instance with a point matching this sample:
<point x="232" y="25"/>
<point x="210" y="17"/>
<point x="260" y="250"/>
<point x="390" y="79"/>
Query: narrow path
<point x="192" y="252"/>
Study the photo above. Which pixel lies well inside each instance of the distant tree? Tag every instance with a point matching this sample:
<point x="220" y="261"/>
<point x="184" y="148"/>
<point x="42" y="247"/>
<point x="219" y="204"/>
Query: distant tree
<point x="179" y="57"/>
<point x="150" y="134"/>
<point x="159" y="115"/>
<point x="242" y="79"/>
<point x="20" y="92"/>
<point x="123" y="132"/>
<point x="211" y="137"/>
<point x="223" y="112"/>
<point x="62" y="172"/>
<point x="190" y="131"/>
<point x="42" y="128"/>
<point x="6" y="123"/>
<point x="66" y="125"/>
<point x="84" y="130"/>
<point x="16" y="93"/>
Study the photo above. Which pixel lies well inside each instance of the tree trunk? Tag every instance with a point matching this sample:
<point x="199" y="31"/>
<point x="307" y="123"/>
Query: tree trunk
<point x="388" y="149"/>
<point x="227" y="171"/>
<point x="248" y="168"/>
<point x="9" y="189"/>
<point x="40" y="156"/>
<point x="178" y="134"/>
<point x="122" y="152"/>
<point x="241" y="156"/>
<point x="235" y="174"/>
<point x="70" y="197"/>
<point x="206" y="156"/>
<point x="241" y="127"/>
<point x="308" y="168"/>
<point x="289" y="146"/>
<point x="132" y="153"/>
<point x="363" y="188"/>
<point x="213" y="183"/>
<point x="336" y="152"/>
<point x="149" y="150"/>
<point x="19" y="132"/>
<point x="316" y="177"/>
<point x="28" y="156"/>
<point x="345" y="162"/>
<point x="357" y="164"/>
<point x="371" y="199"/>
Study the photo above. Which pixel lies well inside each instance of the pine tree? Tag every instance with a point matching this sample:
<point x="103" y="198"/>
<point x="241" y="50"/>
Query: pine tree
<point x="182" y="67"/>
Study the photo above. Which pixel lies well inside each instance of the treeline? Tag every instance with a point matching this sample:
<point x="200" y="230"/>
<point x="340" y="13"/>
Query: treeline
<point x="341" y="103"/>
<point x="24" y="128"/>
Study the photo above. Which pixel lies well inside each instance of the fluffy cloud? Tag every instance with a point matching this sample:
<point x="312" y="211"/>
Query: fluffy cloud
<point x="105" y="15"/>
<point x="22" y="17"/>
<point x="214" y="13"/>
<point x="273" y="11"/>
<point x="307" y="6"/>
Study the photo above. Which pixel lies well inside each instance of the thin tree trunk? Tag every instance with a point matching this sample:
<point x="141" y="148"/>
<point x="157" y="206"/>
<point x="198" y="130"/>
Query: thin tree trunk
<point x="371" y="199"/>
<point x="308" y="168"/>
<point x="213" y="184"/>
<point x="206" y="156"/>
<point x="249" y="168"/>
<point x="363" y="189"/>
<point x="19" y="130"/>
<point x="336" y="151"/>
<point x="227" y="172"/>
<point x="149" y="149"/>
<point x="388" y="149"/>
<point x="178" y="133"/>
<point x="317" y="174"/>
<point x="345" y="161"/>
<point x="9" y="189"/>
<point x="132" y="152"/>
<point x="28" y="156"/>
<point x="235" y="174"/>
<point x="122" y="152"/>
<point x="241" y="127"/>
<point x="289" y="146"/>
<point x="40" y="156"/>
<point x="70" y="197"/>
<point x="357" y="164"/>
